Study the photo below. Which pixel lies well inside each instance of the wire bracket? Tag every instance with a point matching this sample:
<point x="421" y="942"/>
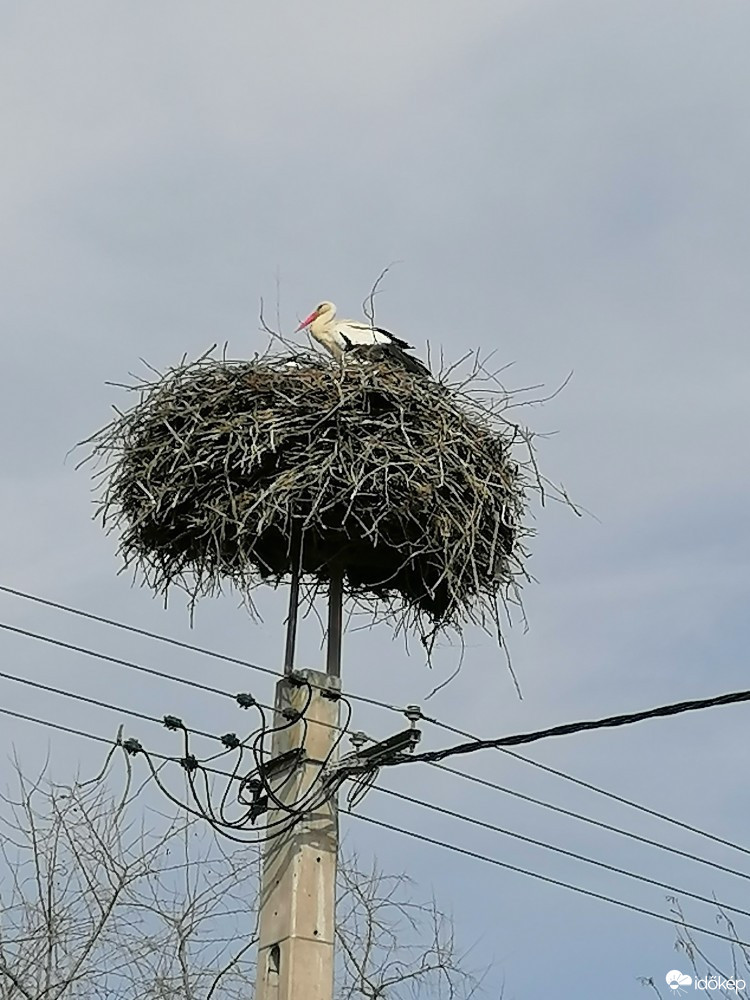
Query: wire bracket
<point x="379" y="754"/>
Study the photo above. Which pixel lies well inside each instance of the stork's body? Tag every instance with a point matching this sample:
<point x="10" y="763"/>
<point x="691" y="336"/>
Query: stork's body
<point x="338" y="336"/>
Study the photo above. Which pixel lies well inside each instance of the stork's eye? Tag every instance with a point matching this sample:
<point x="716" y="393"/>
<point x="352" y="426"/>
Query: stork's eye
<point x="320" y="307"/>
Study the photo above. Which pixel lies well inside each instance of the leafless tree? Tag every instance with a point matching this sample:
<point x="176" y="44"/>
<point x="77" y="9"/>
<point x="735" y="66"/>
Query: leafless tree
<point x="390" y="945"/>
<point x="732" y="966"/>
<point x="102" y="897"/>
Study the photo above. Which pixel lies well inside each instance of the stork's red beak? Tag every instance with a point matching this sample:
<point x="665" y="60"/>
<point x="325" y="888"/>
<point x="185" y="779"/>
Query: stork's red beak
<point x="307" y="322"/>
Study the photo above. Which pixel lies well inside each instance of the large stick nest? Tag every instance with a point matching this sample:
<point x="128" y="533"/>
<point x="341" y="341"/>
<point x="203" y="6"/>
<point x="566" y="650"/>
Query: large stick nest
<point x="222" y="468"/>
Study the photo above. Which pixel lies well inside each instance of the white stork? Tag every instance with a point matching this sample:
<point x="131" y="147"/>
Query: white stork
<point x="338" y="336"/>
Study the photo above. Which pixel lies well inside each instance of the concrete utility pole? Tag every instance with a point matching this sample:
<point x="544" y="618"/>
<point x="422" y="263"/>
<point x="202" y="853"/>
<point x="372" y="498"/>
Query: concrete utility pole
<point x="298" y="883"/>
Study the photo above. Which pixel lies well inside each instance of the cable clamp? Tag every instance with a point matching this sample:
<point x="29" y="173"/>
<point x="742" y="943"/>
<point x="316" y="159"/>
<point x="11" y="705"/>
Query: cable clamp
<point x="285" y="761"/>
<point x="379" y="754"/>
<point x="258" y="804"/>
<point x="258" y="807"/>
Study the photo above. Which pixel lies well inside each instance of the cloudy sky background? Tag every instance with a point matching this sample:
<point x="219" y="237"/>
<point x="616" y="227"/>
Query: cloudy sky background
<point x="566" y="183"/>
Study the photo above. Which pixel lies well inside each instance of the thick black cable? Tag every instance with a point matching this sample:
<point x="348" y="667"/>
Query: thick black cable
<point x="200" y="813"/>
<point x="474" y="821"/>
<point x="255" y="748"/>
<point x="568" y="728"/>
<point x="543" y="878"/>
<point x="205" y="808"/>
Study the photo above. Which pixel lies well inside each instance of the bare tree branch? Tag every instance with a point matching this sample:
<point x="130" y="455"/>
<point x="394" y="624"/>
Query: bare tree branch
<point x="100" y="897"/>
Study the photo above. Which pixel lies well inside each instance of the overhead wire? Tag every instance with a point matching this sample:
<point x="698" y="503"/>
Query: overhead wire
<point x="594" y="822"/>
<point x="515" y="835"/>
<point x="409" y="833"/>
<point x="565" y="729"/>
<point x="86" y="699"/>
<point x="149" y="756"/>
<point x="583" y="784"/>
<point x="179" y="643"/>
<point x="56" y="725"/>
<point x="131" y="665"/>
<point x="256" y="741"/>
<point x="73" y="731"/>
<point x="433" y="721"/>
<point x="496" y="862"/>
<point x="430" y="756"/>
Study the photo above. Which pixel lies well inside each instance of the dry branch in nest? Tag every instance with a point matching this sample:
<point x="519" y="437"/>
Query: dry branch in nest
<point x="229" y="471"/>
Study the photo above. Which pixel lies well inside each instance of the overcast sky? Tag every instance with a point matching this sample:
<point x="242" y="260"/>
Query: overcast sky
<point x="566" y="183"/>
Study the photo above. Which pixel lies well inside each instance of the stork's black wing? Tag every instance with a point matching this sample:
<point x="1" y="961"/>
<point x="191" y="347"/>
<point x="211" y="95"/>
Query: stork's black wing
<point x="396" y="341"/>
<point x="393" y="353"/>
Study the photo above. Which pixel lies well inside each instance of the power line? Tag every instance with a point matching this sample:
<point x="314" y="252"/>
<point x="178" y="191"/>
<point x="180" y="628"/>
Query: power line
<point x="599" y="823"/>
<point x="414" y="835"/>
<point x="661" y="711"/>
<point x="103" y="704"/>
<point x="189" y="762"/>
<point x="683" y="706"/>
<point x="147" y="754"/>
<point x="629" y="802"/>
<point x="568" y="728"/>
<point x="114" y="659"/>
<point x="475" y="744"/>
<point x="434" y="807"/>
<point x="103" y="739"/>
<point x="134" y="629"/>
<point x="583" y="784"/>
<point x="179" y="643"/>
<point x="58" y="726"/>
<point x="542" y="878"/>
<point x="243" y="699"/>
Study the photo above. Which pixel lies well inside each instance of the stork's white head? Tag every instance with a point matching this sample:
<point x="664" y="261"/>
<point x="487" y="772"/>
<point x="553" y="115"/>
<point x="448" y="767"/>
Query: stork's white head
<point x="326" y="310"/>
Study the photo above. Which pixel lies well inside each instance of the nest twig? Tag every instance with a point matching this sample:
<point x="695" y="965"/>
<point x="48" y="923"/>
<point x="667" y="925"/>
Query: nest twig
<point x="410" y="483"/>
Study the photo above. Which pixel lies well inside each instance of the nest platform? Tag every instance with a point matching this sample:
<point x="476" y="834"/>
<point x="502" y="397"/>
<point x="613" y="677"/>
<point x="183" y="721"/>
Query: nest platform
<point x="233" y="472"/>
